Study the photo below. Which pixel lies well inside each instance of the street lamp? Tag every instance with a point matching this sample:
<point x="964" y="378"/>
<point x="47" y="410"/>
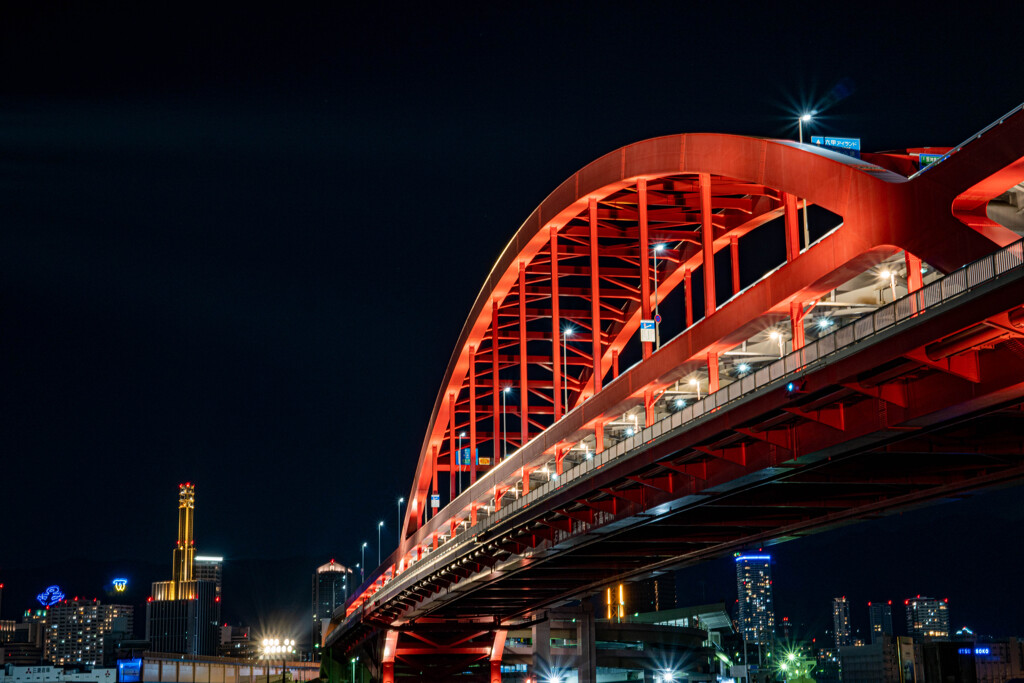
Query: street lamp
<point x="504" y="423"/>
<point x="566" y="333"/>
<point x="380" y="525"/>
<point x="775" y="335"/>
<point x="657" y="318"/>
<point x="805" y="118"/>
<point x="275" y="647"/>
<point x="362" y="563"/>
<point x="890" y="275"/>
<point x="354" y="669"/>
<point x="459" y="458"/>
<point x="400" y="501"/>
<point x="695" y="383"/>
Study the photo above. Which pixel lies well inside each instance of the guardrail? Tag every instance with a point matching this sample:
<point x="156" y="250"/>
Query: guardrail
<point x="790" y="366"/>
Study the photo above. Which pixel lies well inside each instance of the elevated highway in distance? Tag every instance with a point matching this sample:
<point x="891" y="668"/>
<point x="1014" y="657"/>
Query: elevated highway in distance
<point x="878" y="365"/>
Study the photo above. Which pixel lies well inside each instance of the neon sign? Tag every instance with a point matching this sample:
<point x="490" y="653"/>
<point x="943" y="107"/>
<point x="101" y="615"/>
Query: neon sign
<point x="51" y="596"/>
<point x="120" y="585"/>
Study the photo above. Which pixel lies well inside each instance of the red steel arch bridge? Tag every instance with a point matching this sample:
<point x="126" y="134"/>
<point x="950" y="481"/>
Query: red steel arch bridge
<point x="878" y="364"/>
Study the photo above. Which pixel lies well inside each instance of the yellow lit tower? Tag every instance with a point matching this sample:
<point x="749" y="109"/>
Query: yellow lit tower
<point x="185" y="551"/>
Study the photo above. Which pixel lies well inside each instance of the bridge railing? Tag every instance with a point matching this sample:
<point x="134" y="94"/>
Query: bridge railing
<point x="767" y="378"/>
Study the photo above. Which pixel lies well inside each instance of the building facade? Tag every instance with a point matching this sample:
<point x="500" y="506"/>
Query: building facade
<point x="209" y="568"/>
<point x="880" y="619"/>
<point x="756" y="620"/>
<point x="75" y="630"/>
<point x="330" y="591"/>
<point x="182" y="615"/>
<point x="927" y="617"/>
<point x="841" y="621"/>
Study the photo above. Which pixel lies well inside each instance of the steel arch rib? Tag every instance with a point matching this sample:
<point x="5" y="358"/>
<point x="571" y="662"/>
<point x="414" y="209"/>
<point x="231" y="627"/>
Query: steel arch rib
<point x="881" y="212"/>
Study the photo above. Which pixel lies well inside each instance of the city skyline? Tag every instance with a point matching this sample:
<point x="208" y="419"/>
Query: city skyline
<point x="184" y="250"/>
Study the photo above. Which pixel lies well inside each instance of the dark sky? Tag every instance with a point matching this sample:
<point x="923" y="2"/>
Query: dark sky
<point x="236" y="248"/>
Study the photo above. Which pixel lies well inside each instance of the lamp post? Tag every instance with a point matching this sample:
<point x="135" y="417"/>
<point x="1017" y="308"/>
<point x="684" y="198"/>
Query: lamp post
<point x="504" y="431"/>
<point x="657" y="318"/>
<point x="566" y="333"/>
<point x="695" y="383"/>
<point x="283" y="648"/>
<point x="362" y="563"/>
<point x="400" y="501"/>
<point x="380" y="525"/>
<point x="800" y="125"/>
<point x="354" y="669"/>
<point x="459" y="460"/>
<point x="890" y="275"/>
<point x="775" y="335"/>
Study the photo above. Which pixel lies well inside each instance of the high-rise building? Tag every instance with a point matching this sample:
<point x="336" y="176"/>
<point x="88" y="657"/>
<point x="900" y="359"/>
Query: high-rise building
<point x="209" y="568"/>
<point x="880" y="617"/>
<point x="182" y="614"/>
<point x="841" y="621"/>
<point x="927" y="617"/>
<point x="330" y="591"/>
<point x="754" y="592"/>
<point x="75" y="630"/>
<point x="655" y="594"/>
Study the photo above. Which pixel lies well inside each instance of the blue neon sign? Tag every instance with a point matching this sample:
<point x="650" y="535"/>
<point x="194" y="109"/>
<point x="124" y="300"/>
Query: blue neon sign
<point x="754" y="557"/>
<point x="120" y="585"/>
<point x="51" y="596"/>
<point x="976" y="651"/>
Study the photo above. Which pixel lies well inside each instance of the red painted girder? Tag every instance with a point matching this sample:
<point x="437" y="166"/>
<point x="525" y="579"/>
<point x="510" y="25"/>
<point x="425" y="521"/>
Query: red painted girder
<point x="798" y="170"/>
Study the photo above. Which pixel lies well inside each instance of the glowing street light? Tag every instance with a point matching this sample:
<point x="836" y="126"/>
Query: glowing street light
<point x="380" y="525"/>
<point x="399" y="527"/>
<point x="805" y="118"/>
<point x="362" y="562"/>
<point x="824" y="323"/>
<point x="743" y="368"/>
<point x="657" y="318"/>
<point x="680" y="403"/>
<point x="354" y="659"/>
<point x="567" y="332"/>
<point x="459" y="465"/>
<point x="695" y="383"/>
<point x="775" y="335"/>
<point x="504" y="423"/>
<point x="889" y="275"/>
<point x="276" y="647"/>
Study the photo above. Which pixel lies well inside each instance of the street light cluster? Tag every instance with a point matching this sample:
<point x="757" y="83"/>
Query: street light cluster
<point x="277" y="646"/>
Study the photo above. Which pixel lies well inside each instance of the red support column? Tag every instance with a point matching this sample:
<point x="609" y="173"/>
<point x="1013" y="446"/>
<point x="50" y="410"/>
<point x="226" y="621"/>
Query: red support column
<point x="712" y="372"/>
<point x="524" y="389"/>
<point x="472" y="415"/>
<point x="914" y="279"/>
<point x="687" y="279"/>
<point x="598" y="436"/>
<point x="648" y="407"/>
<point x="556" y="351"/>
<point x="595" y="296"/>
<point x="734" y="255"/>
<point x="496" y="385"/>
<point x="430" y="510"/>
<point x="434" y="539"/>
<point x="615" y="363"/>
<point x="497" y="651"/>
<point x="792" y="227"/>
<point x="796" y="322"/>
<point x="451" y="446"/>
<point x="556" y="356"/>
<point x="472" y="514"/>
<point x="388" y="660"/>
<point x="560" y="454"/>
<point x="707" y="238"/>
<point x="645" y="251"/>
<point x="526" y="481"/>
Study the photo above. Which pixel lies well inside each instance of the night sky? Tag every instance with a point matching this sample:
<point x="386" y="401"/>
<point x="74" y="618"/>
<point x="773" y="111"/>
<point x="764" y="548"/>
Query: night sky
<point x="236" y="249"/>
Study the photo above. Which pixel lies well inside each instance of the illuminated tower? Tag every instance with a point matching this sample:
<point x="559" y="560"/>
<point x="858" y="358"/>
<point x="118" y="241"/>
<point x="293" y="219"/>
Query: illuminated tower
<point x="880" y="616"/>
<point x="185" y="551"/>
<point x="841" y="621"/>
<point x="182" y="614"/>
<point x="927" y="617"/>
<point x="754" y="592"/>
<point x="330" y="591"/>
